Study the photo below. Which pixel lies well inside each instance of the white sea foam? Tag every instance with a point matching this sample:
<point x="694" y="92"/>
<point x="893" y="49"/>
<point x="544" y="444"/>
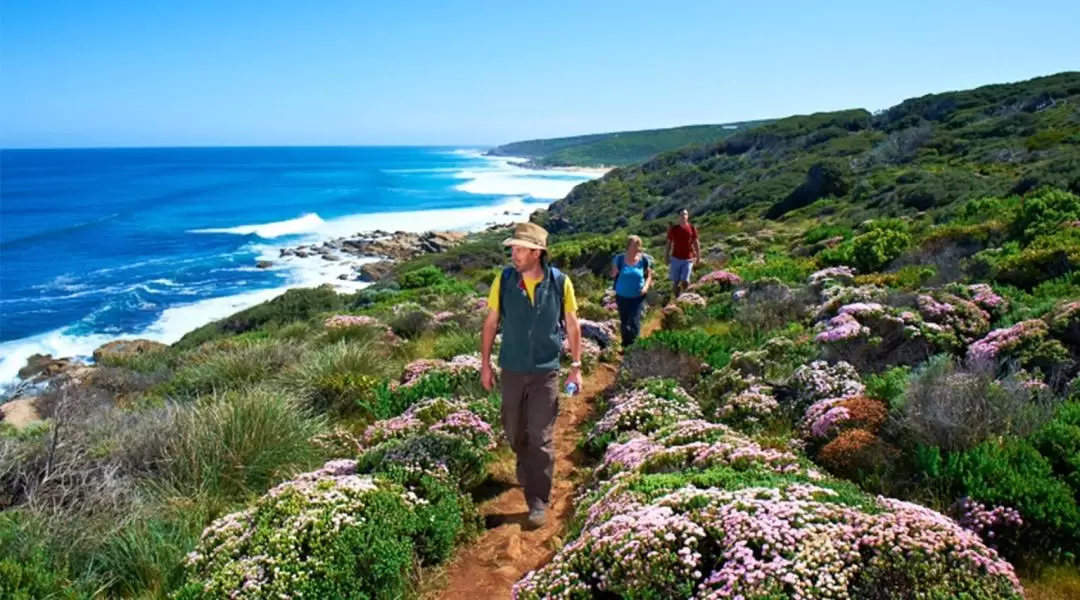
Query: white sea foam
<point x="308" y="223"/>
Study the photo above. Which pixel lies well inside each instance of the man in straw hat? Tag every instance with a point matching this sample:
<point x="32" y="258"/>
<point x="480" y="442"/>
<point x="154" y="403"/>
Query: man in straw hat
<point x="535" y="303"/>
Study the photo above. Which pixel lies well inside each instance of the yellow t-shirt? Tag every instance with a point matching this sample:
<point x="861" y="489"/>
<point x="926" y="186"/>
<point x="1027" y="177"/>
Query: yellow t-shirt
<point x="569" y="301"/>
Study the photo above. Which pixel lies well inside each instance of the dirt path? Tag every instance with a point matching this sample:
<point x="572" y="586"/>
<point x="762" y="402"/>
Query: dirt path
<point x="489" y="567"/>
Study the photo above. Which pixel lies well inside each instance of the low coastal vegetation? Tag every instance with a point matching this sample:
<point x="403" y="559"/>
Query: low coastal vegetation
<point x="858" y="373"/>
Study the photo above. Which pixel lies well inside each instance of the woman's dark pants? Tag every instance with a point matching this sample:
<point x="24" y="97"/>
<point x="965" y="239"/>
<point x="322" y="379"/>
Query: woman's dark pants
<point x="629" y="317"/>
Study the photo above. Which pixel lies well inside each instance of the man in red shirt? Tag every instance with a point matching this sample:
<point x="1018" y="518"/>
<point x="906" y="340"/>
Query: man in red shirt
<point x="683" y="250"/>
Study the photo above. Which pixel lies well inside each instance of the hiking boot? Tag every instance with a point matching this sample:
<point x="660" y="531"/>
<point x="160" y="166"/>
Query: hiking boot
<point x="537" y="517"/>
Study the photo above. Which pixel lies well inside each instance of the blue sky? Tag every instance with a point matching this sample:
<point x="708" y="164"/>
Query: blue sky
<point x="237" y="72"/>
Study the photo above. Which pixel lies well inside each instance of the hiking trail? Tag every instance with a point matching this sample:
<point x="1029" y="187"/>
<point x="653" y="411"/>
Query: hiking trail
<point x="489" y="567"/>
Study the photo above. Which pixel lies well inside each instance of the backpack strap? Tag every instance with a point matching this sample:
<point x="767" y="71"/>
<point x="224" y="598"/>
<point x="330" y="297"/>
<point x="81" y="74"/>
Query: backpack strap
<point x="559" y="279"/>
<point x="503" y="279"/>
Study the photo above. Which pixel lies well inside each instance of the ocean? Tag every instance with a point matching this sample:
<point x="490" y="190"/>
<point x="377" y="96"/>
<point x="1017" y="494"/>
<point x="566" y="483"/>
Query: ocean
<point x="105" y="244"/>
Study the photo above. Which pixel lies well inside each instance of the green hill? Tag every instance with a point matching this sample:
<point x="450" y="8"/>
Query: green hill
<point x="620" y="148"/>
<point x="923" y="153"/>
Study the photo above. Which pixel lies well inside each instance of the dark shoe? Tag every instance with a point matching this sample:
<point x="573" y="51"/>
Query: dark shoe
<point x="537" y="517"/>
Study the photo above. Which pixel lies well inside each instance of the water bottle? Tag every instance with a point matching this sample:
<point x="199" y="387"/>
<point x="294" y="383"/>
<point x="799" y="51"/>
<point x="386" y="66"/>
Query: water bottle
<point x="571" y="388"/>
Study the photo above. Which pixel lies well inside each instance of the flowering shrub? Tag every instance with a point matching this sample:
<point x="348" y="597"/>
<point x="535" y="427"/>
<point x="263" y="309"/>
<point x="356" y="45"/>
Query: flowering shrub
<point x="965" y="317"/>
<point x="987" y="524"/>
<point x="461" y="459"/>
<point x="340" y="323"/>
<point x="690" y="299"/>
<point x="604" y="334"/>
<point x="855" y="452"/>
<point x="717" y="280"/>
<point x="793" y="542"/>
<point x="1026" y="343"/>
<point x="694" y="444"/>
<point x="832" y="298"/>
<point x="673" y="317"/>
<point x="640" y="411"/>
<point x="820" y="380"/>
<point x="749" y="407"/>
<point x="828" y="417"/>
<point x="464" y="366"/>
<point x="872" y="336"/>
<point x="324" y="532"/>
<point x="590" y="353"/>
<point x="831" y="276"/>
<point x="439" y="414"/>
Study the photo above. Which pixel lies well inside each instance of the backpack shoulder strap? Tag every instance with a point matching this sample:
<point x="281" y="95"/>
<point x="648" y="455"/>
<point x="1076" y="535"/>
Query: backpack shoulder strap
<point x="503" y="279"/>
<point x="559" y="279"/>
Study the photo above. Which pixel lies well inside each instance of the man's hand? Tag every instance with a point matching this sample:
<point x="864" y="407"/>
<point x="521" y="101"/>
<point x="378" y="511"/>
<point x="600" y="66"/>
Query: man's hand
<point x="575" y="377"/>
<point x="487" y="378"/>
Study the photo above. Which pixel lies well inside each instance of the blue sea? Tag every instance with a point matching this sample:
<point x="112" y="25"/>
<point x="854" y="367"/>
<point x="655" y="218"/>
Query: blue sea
<point x="105" y="244"/>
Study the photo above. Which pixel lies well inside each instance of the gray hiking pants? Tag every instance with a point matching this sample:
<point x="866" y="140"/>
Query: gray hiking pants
<point x="530" y="404"/>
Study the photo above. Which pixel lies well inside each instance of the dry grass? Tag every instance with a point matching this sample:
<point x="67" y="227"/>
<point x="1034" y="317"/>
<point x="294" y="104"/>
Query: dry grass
<point x="1061" y="583"/>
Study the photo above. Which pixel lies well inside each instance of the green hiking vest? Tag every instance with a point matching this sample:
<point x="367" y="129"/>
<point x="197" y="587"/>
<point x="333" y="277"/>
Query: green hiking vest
<point x="532" y="335"/>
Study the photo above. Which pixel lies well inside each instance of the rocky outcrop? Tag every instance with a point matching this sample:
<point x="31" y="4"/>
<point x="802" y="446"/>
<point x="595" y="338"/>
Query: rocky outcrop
<point x="395" y="246"/>
<point x="376" y="271"/>
<point x="43" y="366"/>
<point x="264" y="264"/>
<point x="121" y="349"/>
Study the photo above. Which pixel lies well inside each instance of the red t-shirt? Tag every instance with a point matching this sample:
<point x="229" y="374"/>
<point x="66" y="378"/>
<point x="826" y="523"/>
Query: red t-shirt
<point x="682" y="240"/>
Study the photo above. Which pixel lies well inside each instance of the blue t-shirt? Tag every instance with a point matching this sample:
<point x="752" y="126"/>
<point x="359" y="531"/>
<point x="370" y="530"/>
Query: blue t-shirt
<point x="631" y="278"/>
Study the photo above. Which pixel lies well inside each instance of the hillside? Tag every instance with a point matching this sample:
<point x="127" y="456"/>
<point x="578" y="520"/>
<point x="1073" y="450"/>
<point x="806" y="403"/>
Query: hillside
<point x="923" y="153"/>
<point x="878" y="363"/>
<point x="617" y="149"/>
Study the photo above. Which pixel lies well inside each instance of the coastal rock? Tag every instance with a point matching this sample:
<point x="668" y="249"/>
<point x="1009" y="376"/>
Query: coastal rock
<point x="286" y="252"/>
<point x="397" y="246"/>
<point x="329" y="256"/>
<point x="376" y="271"/>
<point x="121" y="349"/>
<point x="344" y="277"/>
<point x="264" y="264"/>
<point x="19" y="413"/>
<point x="43" y="366"/>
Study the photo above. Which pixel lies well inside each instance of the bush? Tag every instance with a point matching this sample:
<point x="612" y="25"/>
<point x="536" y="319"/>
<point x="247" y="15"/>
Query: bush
<point x="1044" y="212"/>
<point x="329" y="534"/>
<point x="1013" y="474"/>
<point x="856" y="454"/>
<point x="640" y="362"/>
<point x="235" y="366"/>
<point x="239" y="443"/>
<point x="870" y="251"/>
<point x="956" y="408"/>
<point x="449" y="345"/>
<point x="421" y="278"/>
<point x="1059" y="442"/>
<point x="888" y="386"/>
<point x="770" y="304"/>
<point x="411" y="323"/>
<point x="338" y="379"/>
<point x="298" y="304"/>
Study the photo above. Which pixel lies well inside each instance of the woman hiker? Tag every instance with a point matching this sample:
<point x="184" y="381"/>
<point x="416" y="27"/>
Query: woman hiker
<point x="633" y="273"/>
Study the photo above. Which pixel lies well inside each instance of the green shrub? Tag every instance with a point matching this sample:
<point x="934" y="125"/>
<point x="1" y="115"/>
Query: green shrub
<point x="236" y="366"/>
<point x="1059" y="442"/>
<point x="1045" y="212"/>
<point x="889" y="386"/>
<point x="339" y="378"/>
<point x="300" y="304"/>
<point x="1014" y="474"/>
<point x="462" y="459"/>
<point x="423" y="277"/>
<point x="449" y="345"/>
<point x="334" y="537"/>
<point x="870" y="251"/>
<point x="823" y="232"/>
<point x="1048" y="257"/>
<point x="594" y="253"/>
<point x="235" y="444"/>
